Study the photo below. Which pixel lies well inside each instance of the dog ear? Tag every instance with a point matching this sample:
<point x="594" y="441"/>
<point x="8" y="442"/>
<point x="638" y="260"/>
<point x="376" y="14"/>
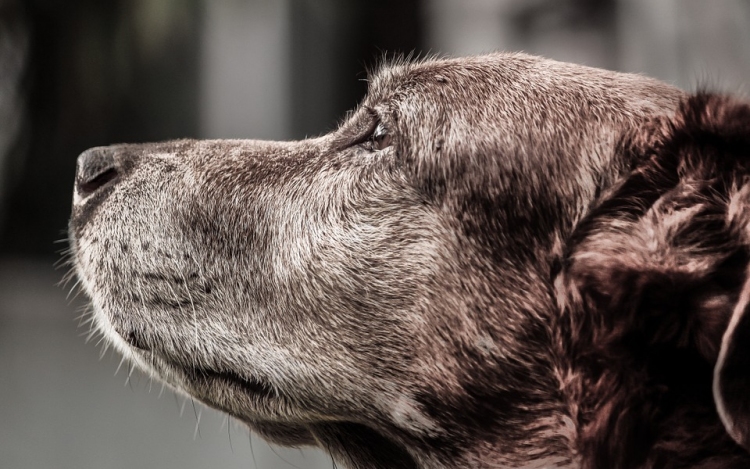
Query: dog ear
<point x="731" y="385"/>
<point x="655" y="282"/>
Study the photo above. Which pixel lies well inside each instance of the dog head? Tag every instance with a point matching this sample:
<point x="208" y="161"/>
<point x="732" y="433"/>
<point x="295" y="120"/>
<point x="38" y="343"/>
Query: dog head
<point x="493" y="260"/>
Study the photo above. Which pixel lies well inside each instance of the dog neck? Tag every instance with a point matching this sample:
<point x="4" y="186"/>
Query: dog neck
<point x="357" y="446"/>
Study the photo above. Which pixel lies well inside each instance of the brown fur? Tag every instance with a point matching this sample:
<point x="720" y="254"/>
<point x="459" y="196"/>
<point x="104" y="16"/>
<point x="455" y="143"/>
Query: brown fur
<point x="655" y="271"/>
<point x="496" y="261"/>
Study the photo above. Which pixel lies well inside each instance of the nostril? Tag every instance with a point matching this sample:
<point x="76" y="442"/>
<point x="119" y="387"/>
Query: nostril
<point x="96" y="167"/>
<point x="91" y="185"/>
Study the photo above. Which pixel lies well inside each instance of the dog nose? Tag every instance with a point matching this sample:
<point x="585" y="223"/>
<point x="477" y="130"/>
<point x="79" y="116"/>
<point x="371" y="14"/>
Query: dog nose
<point x="96" y="167"/>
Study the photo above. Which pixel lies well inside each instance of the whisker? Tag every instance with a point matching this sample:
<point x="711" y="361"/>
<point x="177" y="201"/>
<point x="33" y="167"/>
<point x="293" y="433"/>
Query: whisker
<point x="122" y="360"/>
<point x="195" y="413"/>
<point x="102" y="338"/>
<point x="90" y="335"/>
<point x="197" y="431"/>
<point x="104" y="350"/>
<point x="229" y="432"/>
<point x="282" y="458"/>
<point x="252" y="450"/>
<point x="130" y="373"/>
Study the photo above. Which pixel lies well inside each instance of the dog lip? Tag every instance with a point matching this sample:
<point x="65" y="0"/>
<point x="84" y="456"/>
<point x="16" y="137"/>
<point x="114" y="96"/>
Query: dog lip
<point x="135" y="340"/>
<point x="202" y="379"/>
<point x="251" y="386"/>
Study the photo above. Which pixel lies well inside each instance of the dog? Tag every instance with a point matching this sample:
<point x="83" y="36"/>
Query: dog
<point x="498" y="261"/>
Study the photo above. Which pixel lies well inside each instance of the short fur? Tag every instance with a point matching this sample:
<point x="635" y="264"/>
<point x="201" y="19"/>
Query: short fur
<point x="540" y="265"/>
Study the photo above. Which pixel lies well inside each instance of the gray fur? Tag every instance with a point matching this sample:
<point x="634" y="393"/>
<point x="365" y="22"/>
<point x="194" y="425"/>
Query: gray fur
<point x="396" y="307"/>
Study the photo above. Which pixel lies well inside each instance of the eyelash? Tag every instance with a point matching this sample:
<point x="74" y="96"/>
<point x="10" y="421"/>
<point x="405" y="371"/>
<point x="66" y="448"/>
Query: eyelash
<point x="379" y="139"/>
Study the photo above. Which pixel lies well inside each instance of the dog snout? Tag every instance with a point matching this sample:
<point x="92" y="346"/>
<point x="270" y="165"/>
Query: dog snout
<point x="96" y="168"/>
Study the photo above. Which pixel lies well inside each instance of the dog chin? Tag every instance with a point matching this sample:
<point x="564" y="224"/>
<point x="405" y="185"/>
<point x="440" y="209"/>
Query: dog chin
<point x="249" y="399"/>
<point x="283" y="434"/>
<point x="230" y="393"/>
<point x="252" y="401"/>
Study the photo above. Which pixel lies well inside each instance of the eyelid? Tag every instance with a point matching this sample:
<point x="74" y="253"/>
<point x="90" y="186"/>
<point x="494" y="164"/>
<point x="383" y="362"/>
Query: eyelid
<point x="379" y="130"/>
<point x="370" y="129"/>
<point x="380" y="139"/>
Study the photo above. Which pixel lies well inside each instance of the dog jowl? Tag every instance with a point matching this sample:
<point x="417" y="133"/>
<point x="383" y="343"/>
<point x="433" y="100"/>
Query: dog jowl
<point x="496" y="261"/>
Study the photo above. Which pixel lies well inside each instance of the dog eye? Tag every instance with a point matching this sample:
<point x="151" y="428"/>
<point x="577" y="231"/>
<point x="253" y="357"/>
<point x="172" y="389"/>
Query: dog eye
<point x="380" y="138"/>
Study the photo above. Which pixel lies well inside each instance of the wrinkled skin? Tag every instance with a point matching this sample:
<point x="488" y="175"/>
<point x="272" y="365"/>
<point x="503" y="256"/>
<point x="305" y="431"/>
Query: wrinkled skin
<point x="392" y="291"/>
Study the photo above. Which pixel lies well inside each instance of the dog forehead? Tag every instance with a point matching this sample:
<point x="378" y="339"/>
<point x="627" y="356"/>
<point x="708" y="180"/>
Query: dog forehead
<point x="458" y="75"/>
<point x="510" y="80"/>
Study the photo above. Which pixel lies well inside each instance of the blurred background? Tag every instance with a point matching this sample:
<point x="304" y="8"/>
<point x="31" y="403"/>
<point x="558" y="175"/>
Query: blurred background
<point x="80" y="73"/>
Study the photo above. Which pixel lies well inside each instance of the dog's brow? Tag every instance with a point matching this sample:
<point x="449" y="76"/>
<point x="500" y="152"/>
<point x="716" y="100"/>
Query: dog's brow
<point x="356" y="129"/>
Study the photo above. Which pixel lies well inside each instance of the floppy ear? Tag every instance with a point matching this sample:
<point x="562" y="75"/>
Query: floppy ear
<point x="731" y="386"/>
<point x="656" y="288"/>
